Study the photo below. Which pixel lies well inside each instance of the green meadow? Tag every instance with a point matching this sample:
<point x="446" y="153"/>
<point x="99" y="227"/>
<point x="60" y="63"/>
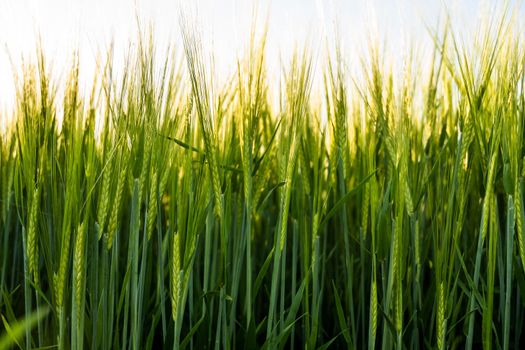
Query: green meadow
<point x="160" y="209"/>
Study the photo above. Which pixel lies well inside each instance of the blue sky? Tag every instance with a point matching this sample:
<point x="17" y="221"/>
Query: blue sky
<point x="90" y="24"/>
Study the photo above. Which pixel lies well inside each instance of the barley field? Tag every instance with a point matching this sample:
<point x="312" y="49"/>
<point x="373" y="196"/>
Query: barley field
<point x="157" y="211"/>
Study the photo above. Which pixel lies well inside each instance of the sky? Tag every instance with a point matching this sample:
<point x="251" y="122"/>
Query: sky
<point x="90" y="25"/>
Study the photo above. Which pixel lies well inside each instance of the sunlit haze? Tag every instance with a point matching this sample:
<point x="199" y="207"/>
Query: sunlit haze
<point x="90" y="26"/>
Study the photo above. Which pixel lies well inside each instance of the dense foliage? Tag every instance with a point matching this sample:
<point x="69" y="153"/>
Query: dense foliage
<point x="161" y="210"/>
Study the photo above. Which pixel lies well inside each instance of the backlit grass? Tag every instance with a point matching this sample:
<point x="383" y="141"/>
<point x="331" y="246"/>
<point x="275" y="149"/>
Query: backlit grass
<point x="159" y="210"/>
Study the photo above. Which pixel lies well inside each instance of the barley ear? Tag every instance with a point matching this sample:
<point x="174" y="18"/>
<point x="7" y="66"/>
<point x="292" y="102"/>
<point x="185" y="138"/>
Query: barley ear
<point x="79" y="266"/>
<point x="152" y="205"/>
<point x="373" y="314"/>
<point x="32" y="245"/>
<point x="175" y="275"/>
<point x="441" y="321"/>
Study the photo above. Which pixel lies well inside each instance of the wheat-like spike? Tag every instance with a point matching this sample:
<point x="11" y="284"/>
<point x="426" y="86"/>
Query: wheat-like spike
<point x="440" y="320"/>
<point x="389" y="143"/>
<point x="204" y="108"/>
<point x="397" y="268"/>
<point x="62" y="269"/>
<point x="373" y="311"/>
<point x="145" y="164"/>
<point x="286" y="206"/>
<point x="397" y="247"/>
<point x="399" y="307"/>
<point x="342" y="140"/>
<point x="468" y="134"/>
<point x="283" y="159"/>
<point x="216" y="183"/>
<point x="286" y="197"/>
<point x="334" y="160"/>
<point x="175" y="275"/>
<point x="32" y="245"/>
<point x="408" y="197"/>
<point x="113" y="221"/>
<point x="261" y="183"/>
<point x="246" y="155"/>
<point x="7" y="190"/>
<point x="164" y="179"/>
<point x="315" y="225"/>
<point x="79" y="266"/>
<point x="152" y="205"/>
